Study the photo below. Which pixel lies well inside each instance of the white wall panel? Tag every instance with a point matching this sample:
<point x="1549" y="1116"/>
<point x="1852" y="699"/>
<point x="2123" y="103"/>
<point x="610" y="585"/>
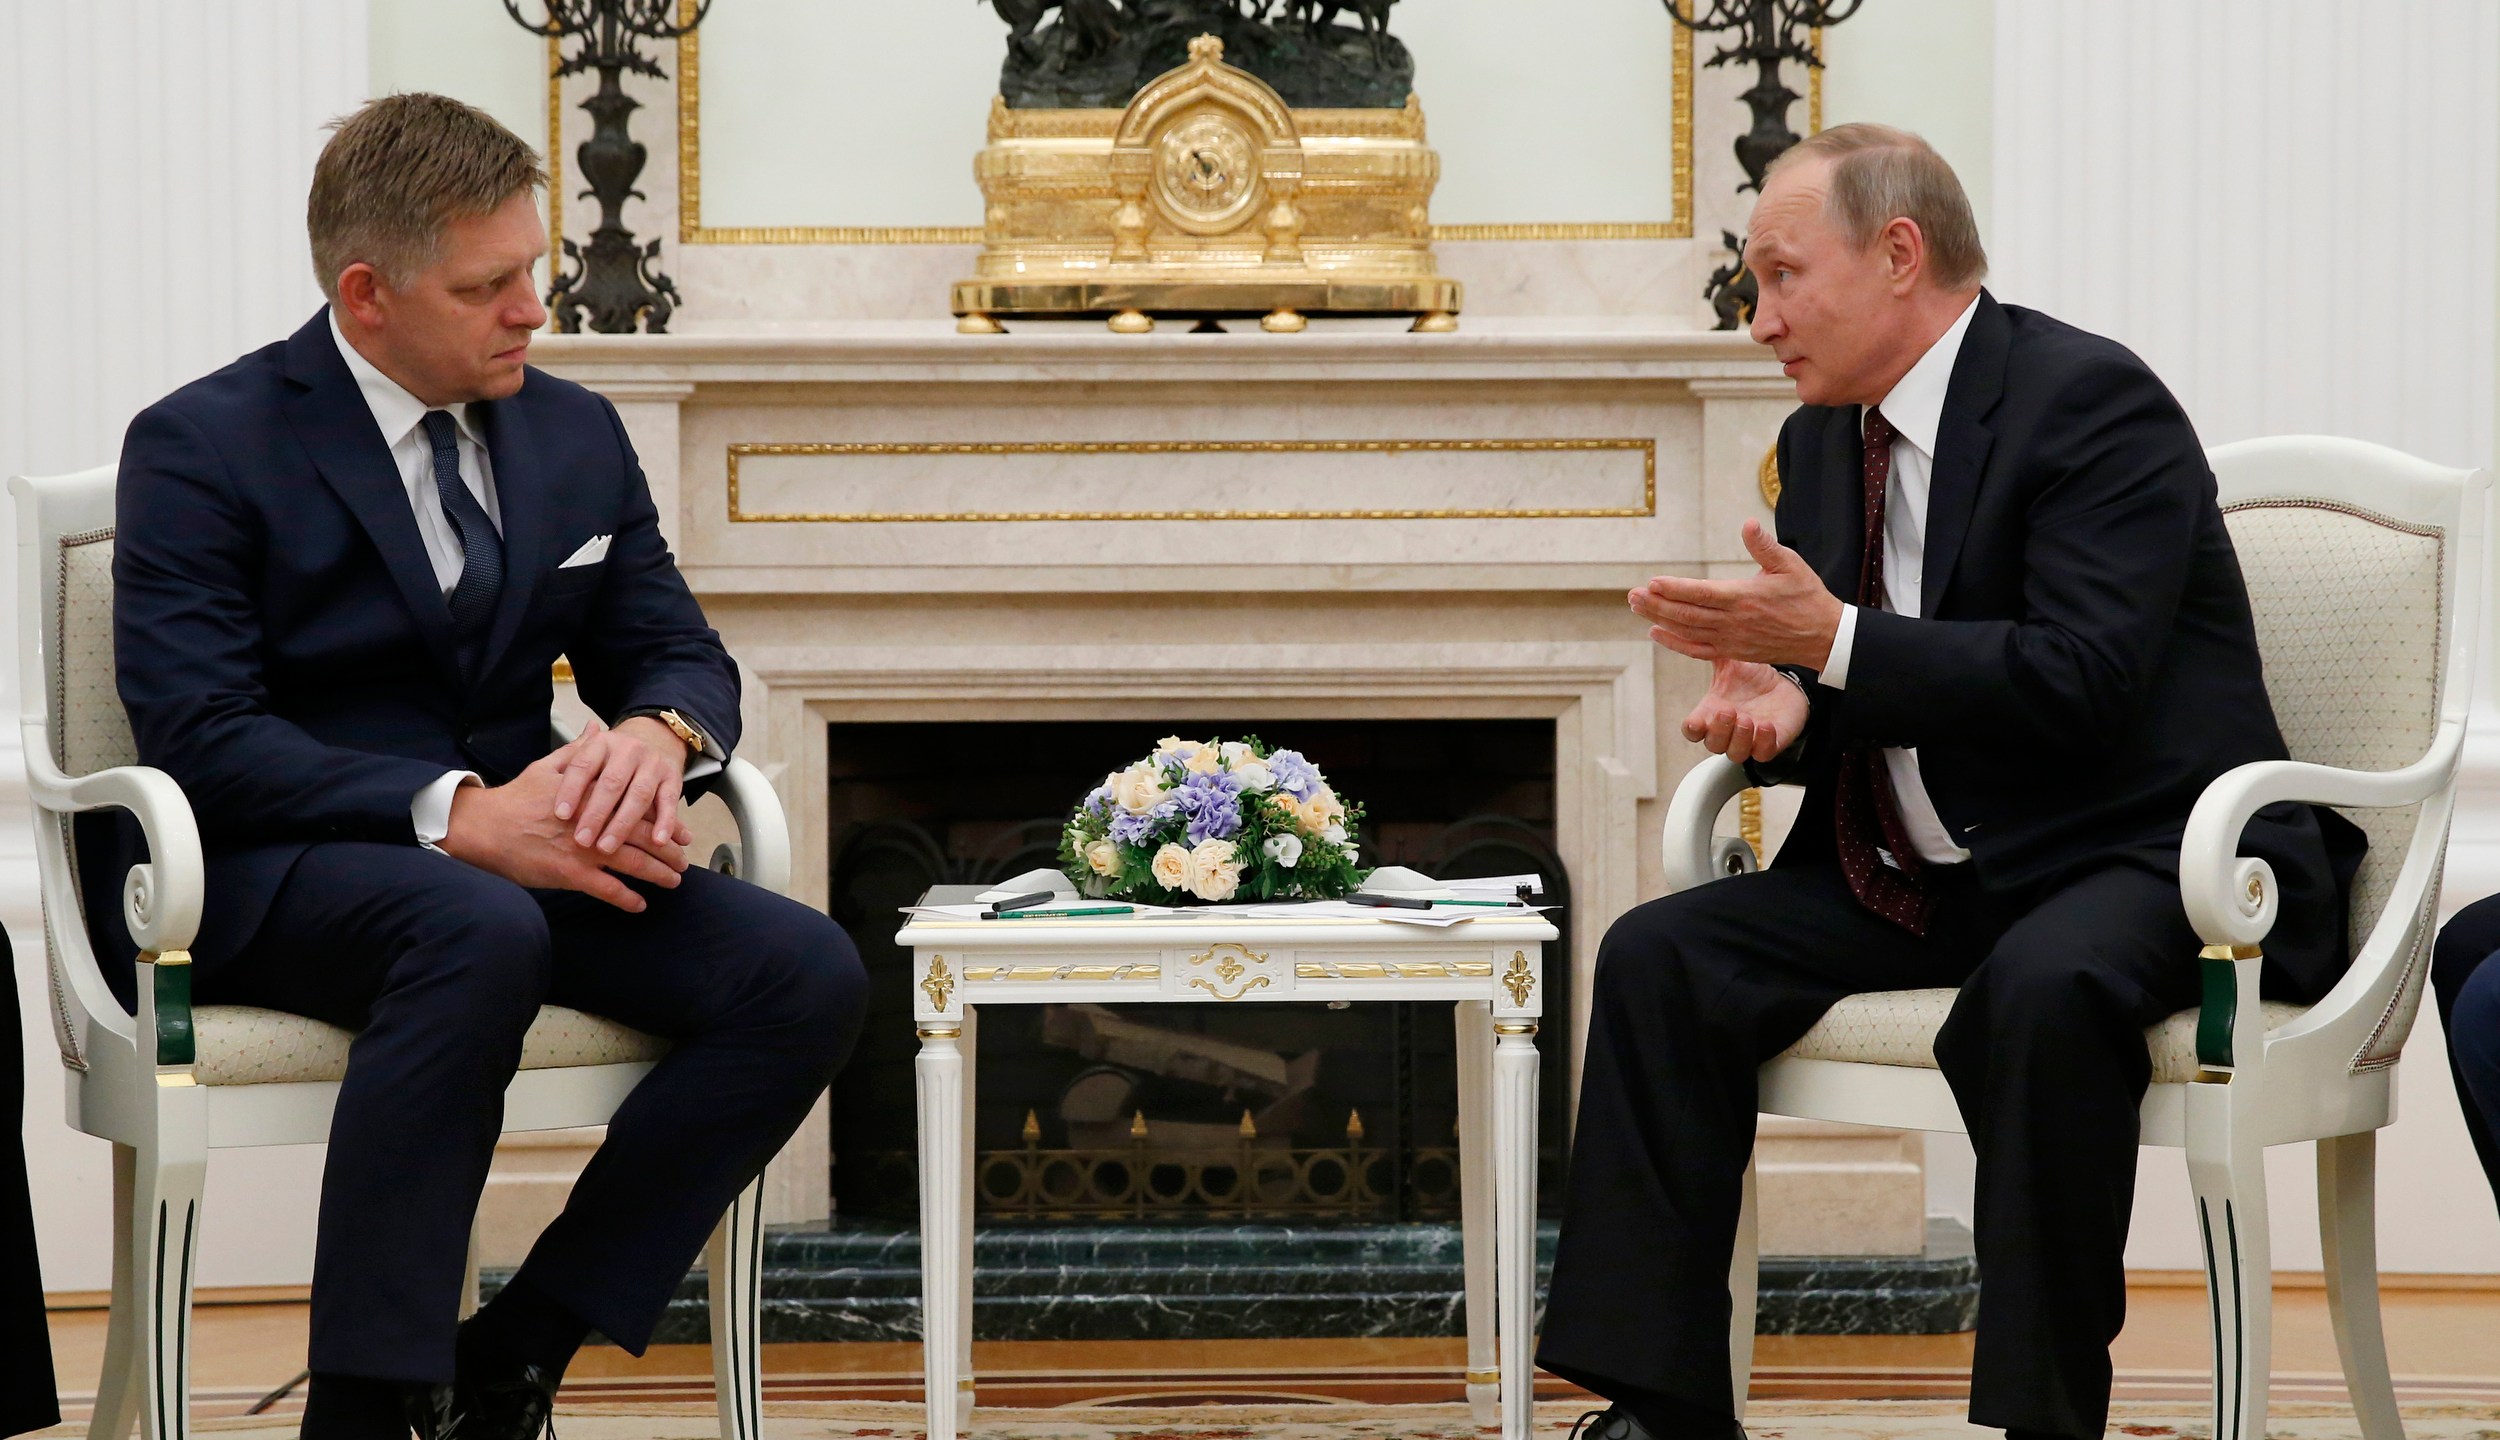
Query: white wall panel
<point x="2288" y="208"/>
<point x="155" y="156"/>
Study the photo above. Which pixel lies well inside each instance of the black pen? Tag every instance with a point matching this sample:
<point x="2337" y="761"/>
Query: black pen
<point x="1019" y="902"/>
<point x="1390" y="902"/>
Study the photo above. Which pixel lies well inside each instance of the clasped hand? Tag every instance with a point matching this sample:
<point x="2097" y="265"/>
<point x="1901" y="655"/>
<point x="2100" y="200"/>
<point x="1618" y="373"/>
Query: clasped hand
<point x="604" y="805"/>
<point x="1780" y="615"/>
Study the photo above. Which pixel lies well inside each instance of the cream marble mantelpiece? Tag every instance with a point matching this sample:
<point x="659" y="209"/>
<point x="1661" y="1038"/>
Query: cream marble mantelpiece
<point x="1353" y="522"/>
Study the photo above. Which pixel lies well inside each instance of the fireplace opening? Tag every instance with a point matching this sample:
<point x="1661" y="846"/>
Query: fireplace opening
<point x="1092" y="1113"/>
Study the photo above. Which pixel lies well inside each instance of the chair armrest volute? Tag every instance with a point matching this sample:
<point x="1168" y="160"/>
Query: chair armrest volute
<point x="763" y="830"/>
<point x="161" y="899"/>
<point x="1688" y="846"/>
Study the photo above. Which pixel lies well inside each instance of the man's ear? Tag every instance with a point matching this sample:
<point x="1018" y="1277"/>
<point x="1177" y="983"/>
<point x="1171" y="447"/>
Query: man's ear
<point x="1905" y="253"/>
<point x="358" y="295"/>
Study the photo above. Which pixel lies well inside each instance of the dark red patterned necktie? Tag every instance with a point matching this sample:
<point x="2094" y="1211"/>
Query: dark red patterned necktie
<point x="1875" y="852"/>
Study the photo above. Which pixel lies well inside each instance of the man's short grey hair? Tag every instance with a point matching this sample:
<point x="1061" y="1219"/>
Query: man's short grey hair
<point x="1881" y="174"/>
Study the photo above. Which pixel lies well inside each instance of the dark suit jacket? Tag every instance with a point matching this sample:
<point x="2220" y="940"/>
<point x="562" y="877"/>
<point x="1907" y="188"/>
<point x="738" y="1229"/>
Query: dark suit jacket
<point x="27" y="1401"/>
<point x="2086" y="661"/>
<point x="284" y="649"/>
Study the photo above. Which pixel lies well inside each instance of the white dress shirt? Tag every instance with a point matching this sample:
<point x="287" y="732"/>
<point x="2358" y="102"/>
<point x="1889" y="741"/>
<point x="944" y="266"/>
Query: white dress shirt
<point x="401" y="417"/>
<point x="1915" y="409"/>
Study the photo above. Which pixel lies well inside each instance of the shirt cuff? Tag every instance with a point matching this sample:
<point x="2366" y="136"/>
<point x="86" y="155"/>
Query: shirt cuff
<point x="703" y="765"/>
<point x="1835" y="672"/>
<point x="431" y="810"/>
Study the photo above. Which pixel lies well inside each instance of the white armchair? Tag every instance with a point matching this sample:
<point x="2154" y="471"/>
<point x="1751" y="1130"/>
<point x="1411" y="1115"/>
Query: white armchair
<point x="2365" y="568"/>
<point x="171" y="1083"/>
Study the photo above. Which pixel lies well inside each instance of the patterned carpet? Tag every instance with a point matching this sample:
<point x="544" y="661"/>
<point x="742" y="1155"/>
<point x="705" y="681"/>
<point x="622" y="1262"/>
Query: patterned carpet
<point x="1774" y="1420"/>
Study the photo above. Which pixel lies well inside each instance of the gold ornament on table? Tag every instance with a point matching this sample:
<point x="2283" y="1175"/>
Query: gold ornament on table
<point x="1207" y="196"/>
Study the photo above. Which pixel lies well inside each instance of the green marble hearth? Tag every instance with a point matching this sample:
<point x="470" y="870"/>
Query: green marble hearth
<point x="1243" y="1281"/>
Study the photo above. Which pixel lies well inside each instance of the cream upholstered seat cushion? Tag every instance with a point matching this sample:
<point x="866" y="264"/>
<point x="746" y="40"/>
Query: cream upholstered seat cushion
<point x="1898" y="1027"/>
<point x="244" y="1045"/>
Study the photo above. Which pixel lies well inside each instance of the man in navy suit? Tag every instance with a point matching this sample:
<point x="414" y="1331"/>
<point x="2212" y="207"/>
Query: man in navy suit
<point x="345" y="567"/>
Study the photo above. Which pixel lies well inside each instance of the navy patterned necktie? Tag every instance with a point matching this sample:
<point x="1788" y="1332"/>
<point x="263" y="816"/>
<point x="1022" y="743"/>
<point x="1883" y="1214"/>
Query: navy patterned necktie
<point x="481" y="548"/>
<point x="1875" y="852"/>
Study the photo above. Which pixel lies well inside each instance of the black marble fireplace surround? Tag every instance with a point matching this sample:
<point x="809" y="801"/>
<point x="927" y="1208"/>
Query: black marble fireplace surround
<point x="913" y="805"/>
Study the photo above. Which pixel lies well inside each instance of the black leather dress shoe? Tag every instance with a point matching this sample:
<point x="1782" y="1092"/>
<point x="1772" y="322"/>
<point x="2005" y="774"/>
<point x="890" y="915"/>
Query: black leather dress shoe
<point x="1612" y="1423"/>
<point x="432" y="1415"/>
<point x="514" y="1404"/>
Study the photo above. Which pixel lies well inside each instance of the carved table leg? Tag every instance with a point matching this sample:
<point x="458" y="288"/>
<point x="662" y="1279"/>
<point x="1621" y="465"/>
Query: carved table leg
<point x="1476" y="1202"/>
<point x="963" y="1280"/>
<point x="1514" y="1151"/>
<point x="939" y="1071"/>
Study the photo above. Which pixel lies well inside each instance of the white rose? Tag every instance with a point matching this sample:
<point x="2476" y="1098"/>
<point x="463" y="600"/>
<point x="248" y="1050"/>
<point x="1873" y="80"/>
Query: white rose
<point x="1202" y="761"/>
<point x="1254" y="776"/>
<point x="1353" y="855"/>
<point x="1334" y="834"/>
<point x="1321" y="809"/>
<point x="1171" y="867"/>
<point x="1285" y="850"/>
<point x="1234" y="753"/>
<point x="1214" y="869"/>
<point x="1171" y="745"/>
<point x="1139" y="788"/>
<point x="1104" y="857"/>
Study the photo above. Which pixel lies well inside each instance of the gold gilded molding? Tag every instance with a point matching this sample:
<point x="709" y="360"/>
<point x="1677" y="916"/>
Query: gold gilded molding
<point x="938" y="984"/>
<point x="1514" y="1027"/>
<point x="555" y="161"/>
<point x="1749" y="820"/>
<point x="1257" y="982"/>
<point x="1766" y="476"/>
<point x="1647" y="449"/>
<point x="692" y="231"/>
<point x="1519" y="980"/>
<point x="1814" y="86"/>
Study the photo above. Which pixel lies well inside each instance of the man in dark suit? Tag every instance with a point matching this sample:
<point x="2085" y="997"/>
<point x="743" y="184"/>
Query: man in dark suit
<point x="346" y="565"/>
<point x="2003" y="641"/>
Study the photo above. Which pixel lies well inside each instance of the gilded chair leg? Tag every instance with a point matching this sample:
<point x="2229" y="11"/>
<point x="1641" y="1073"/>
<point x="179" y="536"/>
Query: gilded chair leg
<point x="2228" y="1175"/>
<point x="2348" y="1239"/>
<point x="1744" y="1275"/>
<point x="117" y="1385"/>
<point x="736" y="1271"/>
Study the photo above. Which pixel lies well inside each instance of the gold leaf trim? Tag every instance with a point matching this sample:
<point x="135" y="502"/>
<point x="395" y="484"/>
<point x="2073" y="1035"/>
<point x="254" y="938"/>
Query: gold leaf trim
<point x="738" y="514"/>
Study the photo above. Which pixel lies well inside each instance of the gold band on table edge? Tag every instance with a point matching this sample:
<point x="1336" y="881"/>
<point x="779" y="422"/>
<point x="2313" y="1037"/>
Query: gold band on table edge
<point x="1647" y="449"/>
<point x="692" y="231"/>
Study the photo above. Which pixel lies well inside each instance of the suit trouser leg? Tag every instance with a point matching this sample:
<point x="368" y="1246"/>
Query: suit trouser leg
<point x="440" y="967"/>
<point x="2045" y="1052"/>
<point x="764" y="998"/>
<point x="1692" y="993"/>
<point x="2467" y="984"/>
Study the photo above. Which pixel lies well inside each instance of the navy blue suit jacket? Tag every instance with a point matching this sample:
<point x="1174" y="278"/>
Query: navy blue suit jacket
<point x="283" y="646"/>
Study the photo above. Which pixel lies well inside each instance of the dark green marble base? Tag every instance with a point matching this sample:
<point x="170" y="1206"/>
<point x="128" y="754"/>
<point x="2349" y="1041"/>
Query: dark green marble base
<point x="1226" y="1281"/>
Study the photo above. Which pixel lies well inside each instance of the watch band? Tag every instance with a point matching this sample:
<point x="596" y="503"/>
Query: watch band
<point x="678" y="725"/>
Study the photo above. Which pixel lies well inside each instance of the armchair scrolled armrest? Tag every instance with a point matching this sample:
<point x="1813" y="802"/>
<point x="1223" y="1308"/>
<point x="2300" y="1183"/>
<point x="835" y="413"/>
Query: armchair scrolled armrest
<point x="763" y="829"/>
<point x="2231" y="900"/>
<point x="1691" y="852"/>
<point x="161" y="900"/>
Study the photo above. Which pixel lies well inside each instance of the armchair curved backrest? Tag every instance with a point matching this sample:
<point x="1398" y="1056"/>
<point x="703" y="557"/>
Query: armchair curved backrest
<point x="2365" y="571"/>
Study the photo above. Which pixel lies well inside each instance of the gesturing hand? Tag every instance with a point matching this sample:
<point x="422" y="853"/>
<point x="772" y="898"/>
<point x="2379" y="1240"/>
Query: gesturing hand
<point x="617" y="779"/>
<point x="1780" y="615"/>
<point x="1752" y="712"/>
<point x="512" y="830"/>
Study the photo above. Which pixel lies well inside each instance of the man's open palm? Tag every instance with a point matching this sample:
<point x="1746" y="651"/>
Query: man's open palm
<point x="1752" y="712"/>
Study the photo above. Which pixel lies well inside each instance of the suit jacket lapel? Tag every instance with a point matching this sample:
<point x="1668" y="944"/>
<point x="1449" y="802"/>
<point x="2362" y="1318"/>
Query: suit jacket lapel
<point x="1962" y="445"/>
<point x="1842" y="523"/>
<point x="330" y="417"/>
<point x="521" y="497"/>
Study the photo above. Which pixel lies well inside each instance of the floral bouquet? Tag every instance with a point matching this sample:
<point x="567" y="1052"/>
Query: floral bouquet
<point x="1212" y="821"/>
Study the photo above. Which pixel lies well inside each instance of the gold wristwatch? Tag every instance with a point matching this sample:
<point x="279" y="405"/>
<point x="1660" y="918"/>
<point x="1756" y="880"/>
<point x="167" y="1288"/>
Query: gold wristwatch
<point x="695" y="741"/>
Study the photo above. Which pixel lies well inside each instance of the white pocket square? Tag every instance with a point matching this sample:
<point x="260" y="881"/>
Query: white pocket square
<point x="594" y="550"/>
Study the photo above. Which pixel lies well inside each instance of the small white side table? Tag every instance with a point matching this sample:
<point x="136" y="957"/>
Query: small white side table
<point x="1491" y="969"/>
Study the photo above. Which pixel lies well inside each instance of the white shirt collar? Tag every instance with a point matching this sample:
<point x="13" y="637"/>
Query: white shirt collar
<point x="395" y="410"/>
<point x="1916" y="405"/>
